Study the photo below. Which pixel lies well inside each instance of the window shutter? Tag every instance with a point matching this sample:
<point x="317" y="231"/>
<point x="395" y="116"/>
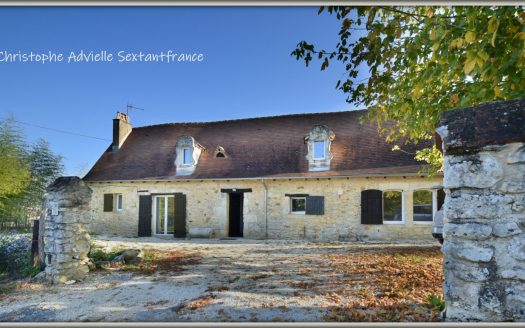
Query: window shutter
<point x="440" y="198"/>
<point x="180" y="215"/>
<point x="108" y="202"/>
<point x="144" y="216"/>
<point x="371" y="207"/>
<point x="314" y="205"/>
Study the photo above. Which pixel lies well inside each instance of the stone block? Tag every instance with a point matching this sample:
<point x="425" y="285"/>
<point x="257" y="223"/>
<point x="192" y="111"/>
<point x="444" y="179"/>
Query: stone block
<point x="467" y="271"/>
<point x="476" y="171"/>
<point x="490" y="300"/>
<point x="474" y="231"/>
<point x="513" y="274"/>
<point x="516" y="154"/>
<point x="468" y="251"/>
<point x="463" y="205"/>
<point x="506" y="229"/>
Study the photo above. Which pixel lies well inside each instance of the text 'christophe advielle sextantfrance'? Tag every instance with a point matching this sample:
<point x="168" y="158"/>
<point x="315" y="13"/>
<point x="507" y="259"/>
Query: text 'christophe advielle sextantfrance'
<point x="103" y="56"/>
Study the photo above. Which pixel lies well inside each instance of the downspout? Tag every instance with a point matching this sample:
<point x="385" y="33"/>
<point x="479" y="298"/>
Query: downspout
<point x="265" y="209"/>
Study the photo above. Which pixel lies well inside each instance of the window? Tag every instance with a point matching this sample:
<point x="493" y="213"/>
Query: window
<point x="393" y="207"/>
<point x="423" y="205"/>
<point x="298" y="205"/>
<point x="164" y="214"/>
<point x="187" y="156"/>
<point x="306" y="204"/>
<point x="119" y="202"/>
<point x="319" y="150"/>
<point x="219" y="152"/>
<point x="187" y="153"/>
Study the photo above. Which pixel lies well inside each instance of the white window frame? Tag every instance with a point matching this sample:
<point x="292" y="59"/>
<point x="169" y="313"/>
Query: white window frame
<point x="154" y="221"/>
<point x="117" y="207"/>
<point x="297" y="212"/>
<point x="324" y="150"/>
<point x="402" y="207"/>
<point x="184" y="156"/>
<point x="434" y="206"/>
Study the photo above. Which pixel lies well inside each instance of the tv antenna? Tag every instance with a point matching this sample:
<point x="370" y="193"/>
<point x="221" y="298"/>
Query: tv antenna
<point x="130" y="106"/>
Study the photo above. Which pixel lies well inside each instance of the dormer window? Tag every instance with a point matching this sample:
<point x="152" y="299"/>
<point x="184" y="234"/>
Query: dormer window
<point x="319" y="150"/>
<point x="319" y="142"/>
<point x="187" y="155"/>
<point x="219" y="152"/>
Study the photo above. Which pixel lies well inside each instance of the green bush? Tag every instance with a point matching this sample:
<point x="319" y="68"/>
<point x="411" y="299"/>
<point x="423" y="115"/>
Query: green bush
<point x="97" y="254"/>
<point x="15" y="256"/>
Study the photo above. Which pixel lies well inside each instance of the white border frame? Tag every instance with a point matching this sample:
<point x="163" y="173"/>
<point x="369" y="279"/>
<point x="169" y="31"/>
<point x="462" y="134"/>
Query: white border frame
<point x="403" y="220"/>
<point x="434" y="206"/>
<point x="299" y="212"/>
<point x="154" y="221"/>
<point x="121" y="202"/>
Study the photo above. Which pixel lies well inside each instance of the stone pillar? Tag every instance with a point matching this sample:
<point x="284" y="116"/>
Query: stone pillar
<point x="484" y="212"/>
<point x="66" y="240"/>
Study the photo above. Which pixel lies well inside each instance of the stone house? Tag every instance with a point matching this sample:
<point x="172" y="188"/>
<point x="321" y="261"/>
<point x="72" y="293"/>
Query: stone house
<point x="318" y="176"/>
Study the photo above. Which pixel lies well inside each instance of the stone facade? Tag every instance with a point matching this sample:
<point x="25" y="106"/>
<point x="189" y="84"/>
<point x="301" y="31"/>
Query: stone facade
<point x="484" y="212"/>
<point x="267" y="208"/>
<point x="66" y="239"/>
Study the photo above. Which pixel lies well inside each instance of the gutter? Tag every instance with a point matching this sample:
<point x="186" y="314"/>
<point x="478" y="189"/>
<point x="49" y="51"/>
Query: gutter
<point x="267" y="178"/>
<point x="265" y="208"/>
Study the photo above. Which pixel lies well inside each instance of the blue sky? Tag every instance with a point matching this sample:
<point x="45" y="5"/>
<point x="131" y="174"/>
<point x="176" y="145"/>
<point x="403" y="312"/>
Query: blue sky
<point x="247" y="69"/>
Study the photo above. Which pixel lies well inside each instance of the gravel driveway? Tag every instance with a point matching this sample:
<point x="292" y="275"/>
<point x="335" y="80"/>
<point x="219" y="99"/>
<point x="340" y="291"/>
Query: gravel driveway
<point x="233" y="280"/>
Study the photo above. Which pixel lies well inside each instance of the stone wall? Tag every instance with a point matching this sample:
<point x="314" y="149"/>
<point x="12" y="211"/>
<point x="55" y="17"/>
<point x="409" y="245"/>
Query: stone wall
<point x="484" y="212"/>
<point x="207" y="207"/>
<point x="66" y="240"/>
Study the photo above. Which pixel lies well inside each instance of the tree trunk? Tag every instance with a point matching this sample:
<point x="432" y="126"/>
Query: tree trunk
<point x="41" y="233"/>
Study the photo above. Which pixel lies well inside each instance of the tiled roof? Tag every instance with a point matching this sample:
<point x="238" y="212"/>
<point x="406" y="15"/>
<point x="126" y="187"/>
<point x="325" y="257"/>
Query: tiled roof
<point x="258" y="147"/>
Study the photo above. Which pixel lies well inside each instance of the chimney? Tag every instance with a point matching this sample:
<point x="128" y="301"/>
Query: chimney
<point x="121" y="130"/>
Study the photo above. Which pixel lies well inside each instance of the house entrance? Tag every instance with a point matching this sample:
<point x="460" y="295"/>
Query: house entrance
<point x="164" y="214"/>
<point x="236" y="224"/>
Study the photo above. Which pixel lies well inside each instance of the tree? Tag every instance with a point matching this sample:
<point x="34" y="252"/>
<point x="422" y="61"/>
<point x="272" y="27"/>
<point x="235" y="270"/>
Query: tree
<point x="423" y="61"/>
<point x="25" y="172"/>
<point x="14" y="173"/>
<point x="45" y="167"/>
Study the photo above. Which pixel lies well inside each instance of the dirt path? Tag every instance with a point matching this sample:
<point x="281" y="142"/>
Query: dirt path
<point x="233" y="280"/>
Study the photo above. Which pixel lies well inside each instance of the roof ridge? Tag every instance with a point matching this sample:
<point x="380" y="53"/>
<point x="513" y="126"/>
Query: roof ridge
<point x="249" y="118"/>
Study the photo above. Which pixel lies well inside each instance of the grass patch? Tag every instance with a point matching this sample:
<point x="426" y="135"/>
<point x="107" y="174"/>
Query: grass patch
<point x="162" y="261"/>
<point x="437" y="302"/>
<point x="153" y="260"/>
<point x="98" y="254"/>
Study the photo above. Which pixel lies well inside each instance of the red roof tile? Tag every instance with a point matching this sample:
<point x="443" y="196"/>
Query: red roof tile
<point x="256" y="147"/>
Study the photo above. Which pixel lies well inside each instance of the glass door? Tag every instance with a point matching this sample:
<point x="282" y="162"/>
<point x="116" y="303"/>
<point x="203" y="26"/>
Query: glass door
<point x="164" y="214"/>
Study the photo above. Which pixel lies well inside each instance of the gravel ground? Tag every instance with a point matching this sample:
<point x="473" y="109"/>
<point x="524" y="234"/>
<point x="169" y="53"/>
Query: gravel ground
<point x="233" y="280"/>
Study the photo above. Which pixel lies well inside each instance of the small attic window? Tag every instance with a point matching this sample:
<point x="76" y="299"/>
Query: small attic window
<point x="319" y="149"/>
<point x="220" y="153"/>
<point x="187" y="156"/>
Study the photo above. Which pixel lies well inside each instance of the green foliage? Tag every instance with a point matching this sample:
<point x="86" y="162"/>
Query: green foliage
<point x="15" y="255"/>
<point x="437" y="302"/>
<point x="14" y="174"/>
<point x="25" y="172"/>
<point x="423" y="61"/>
<point x="97" y="254"/>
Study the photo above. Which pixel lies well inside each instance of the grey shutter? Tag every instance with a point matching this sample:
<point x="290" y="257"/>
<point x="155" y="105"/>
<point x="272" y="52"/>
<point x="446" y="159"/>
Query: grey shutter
<point x="108" y="202"/>
<point x="180" y="215"/>
<point x="314" y="205"/>
<point x="371" y="207"/>
<point x="440" y="198"/>
<point x="144" y="216"/>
